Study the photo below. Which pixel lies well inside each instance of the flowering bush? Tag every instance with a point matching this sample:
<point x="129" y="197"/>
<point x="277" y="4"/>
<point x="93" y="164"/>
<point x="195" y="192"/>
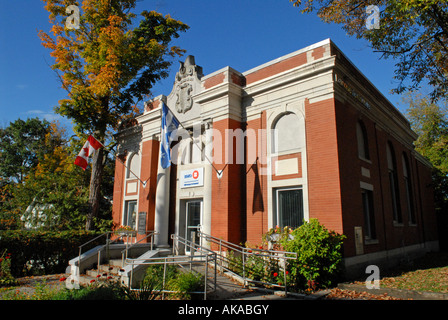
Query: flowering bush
<point x="6" y="279"/>
<point x="276" y="236"/>
<point x="125" y="228"/>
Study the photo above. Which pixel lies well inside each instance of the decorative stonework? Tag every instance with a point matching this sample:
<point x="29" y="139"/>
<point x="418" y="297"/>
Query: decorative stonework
<point x="185" y="77"/>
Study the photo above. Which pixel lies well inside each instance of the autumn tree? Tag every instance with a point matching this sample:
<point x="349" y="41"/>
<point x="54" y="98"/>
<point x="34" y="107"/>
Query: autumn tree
<point x="107" y="65"/>
<point x="414" y="32"/>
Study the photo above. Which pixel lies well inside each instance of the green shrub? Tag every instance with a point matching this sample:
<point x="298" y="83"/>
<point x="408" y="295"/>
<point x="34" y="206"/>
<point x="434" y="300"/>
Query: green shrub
<point x="319" y="256"/>
<point x="154" y="274"/>
<point x="42" y="252"/>
<point x="6" y="278"/>
<point x="182" y="282"/>
<point x="186" y="283"/>
<point x="97" y="291"/>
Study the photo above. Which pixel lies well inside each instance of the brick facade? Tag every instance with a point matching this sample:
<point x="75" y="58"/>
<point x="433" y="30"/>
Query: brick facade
<point x="329" y="97"/>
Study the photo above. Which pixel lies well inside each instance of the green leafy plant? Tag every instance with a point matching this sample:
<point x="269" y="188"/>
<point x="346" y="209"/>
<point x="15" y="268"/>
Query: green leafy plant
<point x="182" y="283"/>
<point x="319" y="255"/>
<point x="105" y="290"/>
<point x="185" y="283"/>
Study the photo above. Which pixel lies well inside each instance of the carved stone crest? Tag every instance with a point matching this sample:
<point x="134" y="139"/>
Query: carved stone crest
<point x="184" y="101"/>
<point x="188" y="72"/>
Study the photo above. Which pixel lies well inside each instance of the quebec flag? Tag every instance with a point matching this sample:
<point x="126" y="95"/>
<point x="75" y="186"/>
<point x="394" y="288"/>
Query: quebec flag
<point x="169" y="132"/>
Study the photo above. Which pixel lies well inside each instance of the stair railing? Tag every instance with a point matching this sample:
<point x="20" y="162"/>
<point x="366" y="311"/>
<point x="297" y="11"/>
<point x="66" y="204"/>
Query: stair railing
<point x="124" y="253"/>
<point x="226" y="248"/>
<point x="198" y="256"/>
<point x="106" y="234"/>
<point x="106" y="245"/>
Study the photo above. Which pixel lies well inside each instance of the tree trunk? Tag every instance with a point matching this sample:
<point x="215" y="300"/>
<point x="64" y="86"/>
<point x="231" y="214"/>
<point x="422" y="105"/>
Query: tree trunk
<point x="95" y="188"/>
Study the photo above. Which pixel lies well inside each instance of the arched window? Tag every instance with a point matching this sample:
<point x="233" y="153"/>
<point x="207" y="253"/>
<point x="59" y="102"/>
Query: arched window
<point x="393" y="182"/>
<point x="133" y="170"/>
<point x="363" y="145"/>
<point x="408" y="186"/>
<point x="287" y="132"/>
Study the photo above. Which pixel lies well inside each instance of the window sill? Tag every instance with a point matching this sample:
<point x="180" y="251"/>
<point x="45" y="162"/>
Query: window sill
<point x="365" y="160"/>
<point x="371" y="241"/>
<point x="398" y="224"/>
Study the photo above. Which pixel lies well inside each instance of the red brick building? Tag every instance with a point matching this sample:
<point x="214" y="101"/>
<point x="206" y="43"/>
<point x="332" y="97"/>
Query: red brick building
<point x="303" y="136"/>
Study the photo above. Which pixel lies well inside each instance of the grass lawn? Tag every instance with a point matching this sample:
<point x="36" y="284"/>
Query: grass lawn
<point x="429" y="273"/>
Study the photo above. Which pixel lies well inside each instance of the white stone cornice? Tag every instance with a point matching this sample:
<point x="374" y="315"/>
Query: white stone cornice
<point x="290" y="55"/>
<point x="284" y="78"/>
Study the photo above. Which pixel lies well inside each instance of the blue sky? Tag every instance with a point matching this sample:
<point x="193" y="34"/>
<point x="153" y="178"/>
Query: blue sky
<point x="241" y="34"/>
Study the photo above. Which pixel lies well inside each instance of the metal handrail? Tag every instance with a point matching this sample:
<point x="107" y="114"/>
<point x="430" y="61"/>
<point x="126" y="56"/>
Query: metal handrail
<point x="86" y="243"/>
<point x="245" y="252"/>
<point x="124" y="252"/>
<point x="108" y="242"/>
<point x="205" y="257"/>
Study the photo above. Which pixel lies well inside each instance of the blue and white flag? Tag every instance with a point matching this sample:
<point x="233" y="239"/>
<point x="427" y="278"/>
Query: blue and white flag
<point x="169" y="133"/>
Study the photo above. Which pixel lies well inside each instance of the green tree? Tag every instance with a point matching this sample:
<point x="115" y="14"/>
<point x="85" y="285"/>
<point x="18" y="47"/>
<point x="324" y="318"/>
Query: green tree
<point x="430" y="122"/>
<point x="21" y="148"/>
<point x="54" y="196"/>
<point x="414" y="32"/>
<point x="107" y="67"/>
<point x="20" y="151"/>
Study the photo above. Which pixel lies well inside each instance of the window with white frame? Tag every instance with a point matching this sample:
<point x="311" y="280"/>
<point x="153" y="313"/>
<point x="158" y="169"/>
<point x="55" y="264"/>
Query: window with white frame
<point x="130" y="213"/>
<point x="288" y="207"/>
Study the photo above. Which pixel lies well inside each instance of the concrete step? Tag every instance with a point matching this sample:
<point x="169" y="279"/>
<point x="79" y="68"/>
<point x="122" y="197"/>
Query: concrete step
<point x="116" y="263"/>
<point x="93" y="275"/>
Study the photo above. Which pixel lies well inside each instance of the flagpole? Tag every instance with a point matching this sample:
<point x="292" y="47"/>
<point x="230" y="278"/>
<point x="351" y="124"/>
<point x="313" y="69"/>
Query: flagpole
<point x="192" y="138"/>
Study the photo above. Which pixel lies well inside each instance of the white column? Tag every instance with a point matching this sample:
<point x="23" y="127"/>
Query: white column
<point x="161" y="220"/>
<point x="208" y="171"/>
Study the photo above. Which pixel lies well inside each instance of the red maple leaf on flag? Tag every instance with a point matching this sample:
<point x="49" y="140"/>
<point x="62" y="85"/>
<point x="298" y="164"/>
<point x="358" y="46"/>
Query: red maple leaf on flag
<point x="88" y="148"/>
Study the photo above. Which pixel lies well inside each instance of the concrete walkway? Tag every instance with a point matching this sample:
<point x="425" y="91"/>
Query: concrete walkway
<point x="230" y="287"/>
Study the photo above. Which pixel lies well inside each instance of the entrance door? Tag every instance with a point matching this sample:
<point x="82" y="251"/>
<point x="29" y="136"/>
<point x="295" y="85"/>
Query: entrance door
<point x="193" y="223"/>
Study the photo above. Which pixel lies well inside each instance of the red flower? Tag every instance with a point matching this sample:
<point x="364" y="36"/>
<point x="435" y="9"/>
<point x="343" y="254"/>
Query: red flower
<point x="287" y="272"/>
<point x="275" y="274"/>
<point x="62" y="279"/>
<point x="92" y="281"/>
<point x="98" y="275"/>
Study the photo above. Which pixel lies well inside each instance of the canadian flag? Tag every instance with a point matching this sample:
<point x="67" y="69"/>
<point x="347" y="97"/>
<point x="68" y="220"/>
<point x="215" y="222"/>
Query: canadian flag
<point x="91" y="145"/>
